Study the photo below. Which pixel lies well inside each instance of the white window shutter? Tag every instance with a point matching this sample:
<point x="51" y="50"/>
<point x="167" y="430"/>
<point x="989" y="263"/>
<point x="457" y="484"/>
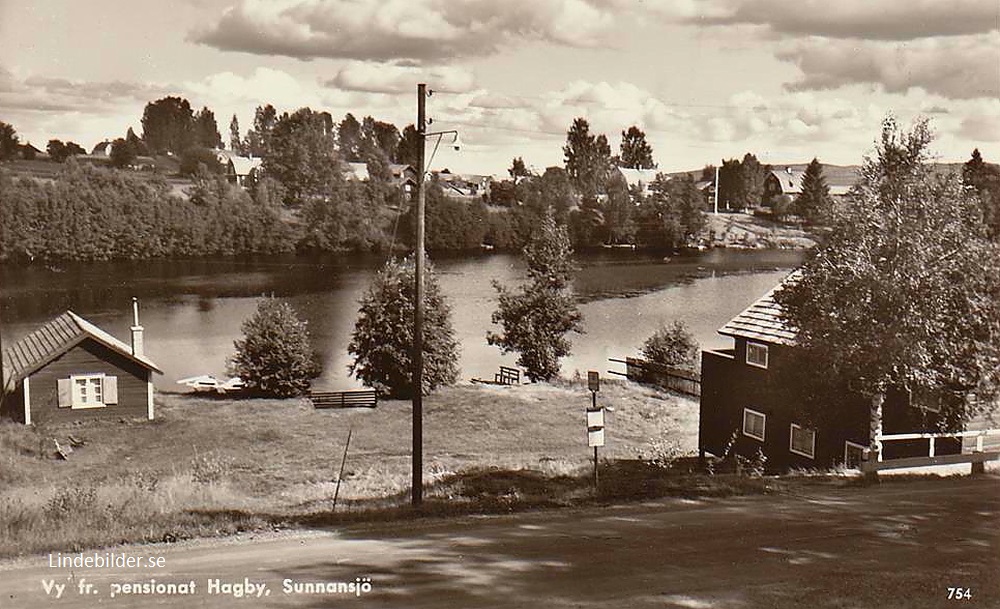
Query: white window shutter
<point x="110" y="390"/>
<point x="65" y="393"/>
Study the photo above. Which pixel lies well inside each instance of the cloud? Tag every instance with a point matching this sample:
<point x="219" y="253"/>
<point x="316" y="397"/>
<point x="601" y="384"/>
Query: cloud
<point x="865" y="19"/>
<point x="411" y="30"/>
<point x="26" y="92"/>
<point x="959" y="68"/>
<point x="396" y="79"/>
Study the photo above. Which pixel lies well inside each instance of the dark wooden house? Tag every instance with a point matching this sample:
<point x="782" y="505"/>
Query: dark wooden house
<point x="746" y="405"/>
<point x="69" y="369"/>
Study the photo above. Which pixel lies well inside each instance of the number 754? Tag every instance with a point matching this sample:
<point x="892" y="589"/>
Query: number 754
<point x="960" y="594"/>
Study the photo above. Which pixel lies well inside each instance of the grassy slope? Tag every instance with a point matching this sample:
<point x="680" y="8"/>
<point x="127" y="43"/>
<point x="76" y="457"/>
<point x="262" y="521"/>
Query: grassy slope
<point x="207" y="466"/>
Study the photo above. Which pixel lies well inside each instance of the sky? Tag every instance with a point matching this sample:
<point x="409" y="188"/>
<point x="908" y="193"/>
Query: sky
<point x="786" y="80"/>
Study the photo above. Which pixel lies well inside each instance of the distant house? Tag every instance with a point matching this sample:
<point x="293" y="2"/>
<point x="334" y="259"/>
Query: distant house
<point x="788" y="181"/>
<point x="240" y="170"/>
<point x="30" y="152"/>
<point x="639" y="179"/>
<point x="102" y="149"/>
<point x="465" y="185"/>
<point x="745" y="404"/>
<point x="69" y="369"/>
<point x="403" y="176"/>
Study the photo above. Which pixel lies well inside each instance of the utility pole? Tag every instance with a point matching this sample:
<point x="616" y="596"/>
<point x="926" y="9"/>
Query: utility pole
<point x="417" y="483"/>
<point x="716" y="190"/>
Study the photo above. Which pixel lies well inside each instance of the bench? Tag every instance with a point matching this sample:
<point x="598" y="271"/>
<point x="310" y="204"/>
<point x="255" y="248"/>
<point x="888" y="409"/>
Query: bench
<point x="507" y="376"/>
<point x="354" y="398"/>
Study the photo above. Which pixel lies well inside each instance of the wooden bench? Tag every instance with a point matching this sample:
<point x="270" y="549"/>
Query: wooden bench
<point x="354" y="398"/>
<point x="507" y="376"/>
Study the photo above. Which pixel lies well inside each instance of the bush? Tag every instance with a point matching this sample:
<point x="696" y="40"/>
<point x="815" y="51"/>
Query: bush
<point x="383" y="333"/>
<point x="275" y="356"/>
<point x="672" y="346"/>
<point x="535" y="319"/>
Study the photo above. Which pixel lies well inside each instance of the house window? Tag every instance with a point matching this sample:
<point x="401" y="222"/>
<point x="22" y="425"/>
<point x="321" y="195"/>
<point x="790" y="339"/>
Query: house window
<point x="88" y="391"/>
<point x="854" y="454"/>
<point x="802" y="441"/>
<point x="757" y="354"/>
<point x="753" y="424"/>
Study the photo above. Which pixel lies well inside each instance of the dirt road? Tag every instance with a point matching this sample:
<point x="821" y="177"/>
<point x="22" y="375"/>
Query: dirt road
<point x="899" y="545"/>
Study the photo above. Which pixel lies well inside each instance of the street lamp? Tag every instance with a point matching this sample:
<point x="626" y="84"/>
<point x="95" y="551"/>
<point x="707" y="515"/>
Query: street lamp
<point x="417" y="483"/>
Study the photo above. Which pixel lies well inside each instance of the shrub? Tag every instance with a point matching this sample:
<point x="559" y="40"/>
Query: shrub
<point x="535" y="319"/>
<point x="382" y="341"/>
<point x="275" y="356"/>
<point x="672" y="346"/>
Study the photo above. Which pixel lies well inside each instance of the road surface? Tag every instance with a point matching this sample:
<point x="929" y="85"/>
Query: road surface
<point x="899" y="545"/>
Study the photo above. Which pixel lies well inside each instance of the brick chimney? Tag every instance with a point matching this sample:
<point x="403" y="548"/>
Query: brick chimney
<point x="136" y="329"/>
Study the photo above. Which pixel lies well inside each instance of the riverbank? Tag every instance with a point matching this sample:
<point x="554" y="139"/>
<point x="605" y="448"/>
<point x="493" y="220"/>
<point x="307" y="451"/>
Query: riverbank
<point x="209" y="467"/>
<point x="746" y="231"/>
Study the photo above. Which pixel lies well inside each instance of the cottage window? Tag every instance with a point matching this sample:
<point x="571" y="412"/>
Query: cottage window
<point x="753" y="424"/>
<point x="88" y="391"/>
<point x="854" y="454"/>
<point x="802" y="441"/>
<point x="757" y="354"/>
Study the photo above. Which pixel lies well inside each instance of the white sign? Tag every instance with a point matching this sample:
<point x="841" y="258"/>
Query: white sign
<point x="595" y="418"/>
<point x="595" y="437"/>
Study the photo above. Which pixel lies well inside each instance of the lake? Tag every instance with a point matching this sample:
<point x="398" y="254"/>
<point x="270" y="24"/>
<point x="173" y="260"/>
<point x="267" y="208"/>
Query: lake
<point x="192" y="309"/>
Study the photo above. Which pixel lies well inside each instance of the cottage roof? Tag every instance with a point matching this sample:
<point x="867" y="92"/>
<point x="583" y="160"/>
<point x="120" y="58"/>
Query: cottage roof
<point x="838" y="179"/>
<point x="56" y="338"/>
<point x="357" y="171"/>
<point x="762" y="320"/>
<point x="242" y="166"/>
<point x="634" y="176"/>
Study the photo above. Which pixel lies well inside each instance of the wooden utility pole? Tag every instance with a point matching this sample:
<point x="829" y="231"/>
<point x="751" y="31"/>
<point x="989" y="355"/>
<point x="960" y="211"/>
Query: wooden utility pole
<point x="417" y="482"/>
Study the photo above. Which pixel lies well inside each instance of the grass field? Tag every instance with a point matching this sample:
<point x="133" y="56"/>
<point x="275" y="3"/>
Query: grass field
<point x="214" y="466"/>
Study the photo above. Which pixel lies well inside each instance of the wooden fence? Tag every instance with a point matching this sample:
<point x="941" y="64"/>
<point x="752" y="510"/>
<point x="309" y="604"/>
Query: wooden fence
<point x="675" y="379"/>
<point x="977" y="457"/>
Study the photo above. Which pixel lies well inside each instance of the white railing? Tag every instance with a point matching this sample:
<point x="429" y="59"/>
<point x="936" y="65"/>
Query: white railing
<point x="978" y="435"/>
<point x="977" y="457"/>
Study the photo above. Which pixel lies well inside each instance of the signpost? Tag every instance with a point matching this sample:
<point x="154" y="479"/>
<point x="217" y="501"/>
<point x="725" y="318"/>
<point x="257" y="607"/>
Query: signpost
<point x="595" y="419"/>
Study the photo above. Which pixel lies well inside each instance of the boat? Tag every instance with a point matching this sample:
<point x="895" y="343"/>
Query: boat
<point x="208" y="383"/>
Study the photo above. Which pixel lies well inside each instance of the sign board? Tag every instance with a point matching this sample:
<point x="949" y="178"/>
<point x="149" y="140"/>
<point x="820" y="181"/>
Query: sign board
<point x="593" y="380"/>
<point x="595" y="418"/>
<point x="595" y="437"/>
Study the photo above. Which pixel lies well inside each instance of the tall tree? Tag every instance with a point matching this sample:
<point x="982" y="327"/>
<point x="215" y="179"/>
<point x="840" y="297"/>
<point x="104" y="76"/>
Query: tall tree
<point x="408" y="150"/>
<point x="206" y="130"/>
<point x="905" y="295"/>
<point x="619" y="223"/>
<point x="235" y="136"/>
<point x="731" y="184"/>
<point x="535" y="319"/>
<point x="813" y="203"/>
<point x="984" y="179"/>
<point x="258" y="140"/>
<point x="588" y="159"/>
<point x="123" y="153"/>
<point x="383" y="333"/>
<point x="303" y="156"/>
<point x="56" y="150"/>
<point x="168" y="125"/>
<point x="751" y="186"/>
<point x="518" y="169"/>
<point x="9" y="142"/>
<point x="636" y="153"/>
<point x="349" y="138"/>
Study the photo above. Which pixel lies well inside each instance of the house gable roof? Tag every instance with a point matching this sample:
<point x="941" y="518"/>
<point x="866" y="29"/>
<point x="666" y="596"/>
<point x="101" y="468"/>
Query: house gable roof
<point x="762" y="320"/>
<point x="55" y="338"/>
<point x="243" y="166"/>
<point x="635" y="177"/>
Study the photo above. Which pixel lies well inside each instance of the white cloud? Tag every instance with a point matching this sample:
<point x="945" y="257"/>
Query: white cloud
<point x="415" y="30"/>
<point x="868" y="19"/>
<point x="962" y="67"/>
<point x="396" y="79"/>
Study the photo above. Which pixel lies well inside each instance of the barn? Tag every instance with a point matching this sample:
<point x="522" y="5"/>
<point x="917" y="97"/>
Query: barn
<point x="69" y="369"/>
<point x="745" y="404"/>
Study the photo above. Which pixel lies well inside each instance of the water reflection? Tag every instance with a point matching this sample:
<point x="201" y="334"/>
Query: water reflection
<point x="192" y="310"/>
